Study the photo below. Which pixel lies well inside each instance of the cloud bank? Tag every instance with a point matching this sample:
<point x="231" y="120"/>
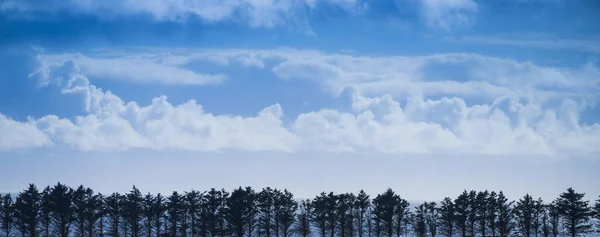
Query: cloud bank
<point x="398" y="106"/>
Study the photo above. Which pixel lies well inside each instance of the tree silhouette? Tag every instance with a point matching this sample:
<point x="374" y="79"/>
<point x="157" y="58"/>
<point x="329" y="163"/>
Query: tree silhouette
<point x="27" y="207"/>
<point x="238" y="211"/>
<point x="419" y="218"/>
<point x="193" y="201"/>
<point x="62" y="210"/>
<point x="447" y="217"/>
<point x="461" y="207"/>
<point x="302" y="226"/>
<point x="319" y="214"/>
<point x="492" y="213"/>
<point x="575" y="212"/>
<point x="384" y="207"/>
<point x="401" y="212"/>
<point x="275" y="213"/>
<point x="113" y="209"/>
<point x="265" y="211"/>
<point x="525" y="214"/>
<point x="505" y="215"/>
<point x="285" y="211"/>
<point x="175" y="213"/>
<point x="45" y="209"/>
<point x="472" y="218"/>
<point x="481" y="210"/>
<point x="538" y="212"/>
<point x="133" y="212"/>
<point x="7" y="215"/>
<point x="554" y="218"/>
<point x="432" y="217"/>
<point x="345" y="202"/>
<point x="362" y="205"/>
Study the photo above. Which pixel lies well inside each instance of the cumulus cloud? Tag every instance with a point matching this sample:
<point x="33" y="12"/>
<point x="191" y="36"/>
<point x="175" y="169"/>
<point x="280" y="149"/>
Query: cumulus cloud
<point x="532" y="110"/>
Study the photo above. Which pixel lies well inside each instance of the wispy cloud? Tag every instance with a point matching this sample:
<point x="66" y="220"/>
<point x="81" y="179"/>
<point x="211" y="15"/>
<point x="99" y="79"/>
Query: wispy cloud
<point x="588" y="45"/>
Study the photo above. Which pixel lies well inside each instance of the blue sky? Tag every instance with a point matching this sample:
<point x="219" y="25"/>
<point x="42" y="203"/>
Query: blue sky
<point x="371" y="91"/>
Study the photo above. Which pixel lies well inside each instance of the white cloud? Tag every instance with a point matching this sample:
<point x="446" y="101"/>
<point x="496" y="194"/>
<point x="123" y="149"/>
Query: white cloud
<point x="532" y="110"/>
<point x="19" y="135"/>
<point x="448" y="13"/>
<point x="255" y="13"/>
<point x="149" y="69"/>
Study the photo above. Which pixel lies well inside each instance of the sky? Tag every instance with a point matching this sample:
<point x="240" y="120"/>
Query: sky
<point x="427" y="97"/>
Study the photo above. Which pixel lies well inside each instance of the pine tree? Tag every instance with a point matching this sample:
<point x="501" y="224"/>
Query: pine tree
<point x="265" y="211"/>
<point x="7" y="215"/>
<point x="472" y="212"/>
<point x="362" y="205"/>
<point x="432" y="218"/>
<point x="525" y="213"/>
<point x="481" y="211"/>
<point x="175" y="213"/>
<point x="461" y="207"/>
<point x="236" y="212"/>
<point x="159" y="208"/>
<point x="45" y="209"/>
<point x="344" y="213"/>
<point x="286" y="212"/>
<point x="505" y="215"/>
<point x="148" y="213"/>
<point x="545" y="222"/>
<point x="133" y="212"/>
<point x="113" y="208"/>
<point x="319" y="213"/>
<point x="252" y="210"/>
<point x="27" y="209"/>
<point x="447" y="217"/>
<point x="575" y="212"/>
<point x="193" y="201"/>
<point x="330" y="210"/>
<point x="554" y="218"/>
<point x="492" y="213"/>
<point x="302" y="226"/>
<point x="538" y="212"/>
<point x="401" y="212"/>
<point x="384" y="207"/>
<point x="62" y="211"/>
<point x="420" y="220"/>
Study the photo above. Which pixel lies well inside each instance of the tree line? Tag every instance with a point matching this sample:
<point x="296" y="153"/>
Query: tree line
<point x="62" y="211"/>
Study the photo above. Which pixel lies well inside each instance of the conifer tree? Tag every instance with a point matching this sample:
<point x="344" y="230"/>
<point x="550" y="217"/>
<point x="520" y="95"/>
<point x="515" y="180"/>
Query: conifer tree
<point x="45" y="219"/>
<point x="597" y="214"/>
<point x="265" y="211"/>
<point x="420" y="220"/>
<point x="525" y="213"/>
<point x="554" y="218"/>
<point x="505" y="215"/>
<point x="384" y="207"/>
<point x="175" y="212"/>
<point x="461" y="207"/>
<point x="62" y="211"/>
<point x="302" y="226"/>
<point x="481" y="209"/>
<point x="113" y="209"/>
<point x="319" y="213"/>
<point x="7" y="215"/>
<point x="133" y="212"/>
<point x="362" y="205"/>
<point x="27" y="209"/>
<point x="575" y="211"/>
<point x="432" y="218"/>
<point x="286" y="212"/>
<point x="447" y="217"/>
<point x="401" y="212"/>
<point x="492" y="214"/>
